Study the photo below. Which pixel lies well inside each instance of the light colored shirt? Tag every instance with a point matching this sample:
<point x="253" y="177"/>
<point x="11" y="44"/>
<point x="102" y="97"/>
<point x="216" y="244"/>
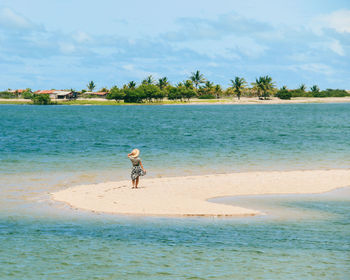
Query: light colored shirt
<point x="135" y="161"/>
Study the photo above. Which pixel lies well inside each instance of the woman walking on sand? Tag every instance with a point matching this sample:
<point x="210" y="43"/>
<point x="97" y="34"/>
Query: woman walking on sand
<point x="137" y="167"/>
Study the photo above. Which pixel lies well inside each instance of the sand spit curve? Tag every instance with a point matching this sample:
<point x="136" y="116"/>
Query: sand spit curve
<point x="187" y="196"/>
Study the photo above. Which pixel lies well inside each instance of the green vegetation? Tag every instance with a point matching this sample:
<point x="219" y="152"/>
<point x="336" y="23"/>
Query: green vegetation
<point x="131" y="84"/>
<point x="162" y="83"/>
<point x="153" y="91"/>
<point x="8" y="95"/>
<point x="42" y="99"/>
<point x="148" y="81"/>
<point x="197" y="78"/>
<point x="317" y="93"/>
<point x="238" y="85"/>
<point x="302" y="87"/>
<point x="91" y="86"/>
<point x="315" y="89"/>
<point x="206" y="91"/>
<point x="27" y="95"/>
<point x="104" y="89"/>
<point x="284" y="93"/>
<point x="206" y="96"/>
<point x="116" y="94"/>
<point x="332" y="93"/>
<point x="264" y="86"/>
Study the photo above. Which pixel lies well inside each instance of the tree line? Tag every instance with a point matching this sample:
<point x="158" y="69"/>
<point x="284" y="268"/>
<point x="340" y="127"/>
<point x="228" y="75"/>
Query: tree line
<point x="196" y="86"/>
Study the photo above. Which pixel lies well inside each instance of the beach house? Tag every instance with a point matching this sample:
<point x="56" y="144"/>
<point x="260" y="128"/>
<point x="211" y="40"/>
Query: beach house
<point x="18" y="91"/>
<point x="57" y="94"/>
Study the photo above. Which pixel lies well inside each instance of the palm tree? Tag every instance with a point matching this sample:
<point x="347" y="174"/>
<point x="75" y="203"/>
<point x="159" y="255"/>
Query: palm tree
<point x="209" y="85"/>
<point x="91" y="86"/>
<point x="238" y="84"/>
<point x="188" y="84"/>
<point x="315" y="88"/>
<point x="268" y="85"/>
<point x="104" y="89"/>
<point x="263" y="85"/>
<point x="302" y="87"/>
<point x="258" y="86"/>
<point x="131" y="85"/>
<point x="163" y="82"/>
<point x="148" y="81"/>
<point x="180" y="84"/>
<point x="218" y="91"/>
<point x="197" y="78"/>
<point x="207" y="89"/>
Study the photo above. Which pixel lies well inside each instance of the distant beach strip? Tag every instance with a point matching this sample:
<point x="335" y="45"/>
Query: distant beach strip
<point x="194" y="101"/>
<point x="188" y="196"/>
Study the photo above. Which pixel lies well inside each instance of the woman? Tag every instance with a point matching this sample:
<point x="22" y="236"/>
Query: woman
<point x="137" y="167"/>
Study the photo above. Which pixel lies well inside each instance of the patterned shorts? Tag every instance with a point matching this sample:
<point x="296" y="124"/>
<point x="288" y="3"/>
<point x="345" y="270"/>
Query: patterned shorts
<point x="136" y="172"/>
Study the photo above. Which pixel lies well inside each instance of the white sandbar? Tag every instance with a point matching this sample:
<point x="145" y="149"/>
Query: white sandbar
<point x="187" y="196"/>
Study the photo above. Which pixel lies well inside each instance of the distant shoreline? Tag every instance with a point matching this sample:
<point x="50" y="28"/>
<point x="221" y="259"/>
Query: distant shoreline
<point x="233" y="101"/>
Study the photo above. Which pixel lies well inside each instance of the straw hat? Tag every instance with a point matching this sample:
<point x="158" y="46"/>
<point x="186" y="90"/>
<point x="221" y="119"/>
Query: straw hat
<point x="135" y="153"/>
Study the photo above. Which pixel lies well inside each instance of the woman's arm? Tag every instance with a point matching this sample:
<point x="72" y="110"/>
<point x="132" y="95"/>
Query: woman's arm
<point x="142" y="166"/>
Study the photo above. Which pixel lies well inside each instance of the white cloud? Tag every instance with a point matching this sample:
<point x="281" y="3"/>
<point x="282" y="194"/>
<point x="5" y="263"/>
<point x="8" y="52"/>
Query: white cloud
<point x="213" y="64"/>
<point x="326" y="45"/>
<point x="82" y="37"/>
<point x="128" y="67"/>
<point x="66" y="48"/>
<point x="139" y="73"/>
<point x="210" y="48"/>
<point x="224" y="42"/>
<point x="229" y="47"/>
<point x="318" y="68"/>
<point x="338" y="21"/>
<point x="336" y="47"/>
<point x="11" y="19"/>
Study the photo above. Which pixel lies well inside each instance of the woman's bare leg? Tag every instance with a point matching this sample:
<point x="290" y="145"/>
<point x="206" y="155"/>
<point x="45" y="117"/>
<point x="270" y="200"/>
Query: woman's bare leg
<point x="133" y="183"/>
<point x="137" y="182"/>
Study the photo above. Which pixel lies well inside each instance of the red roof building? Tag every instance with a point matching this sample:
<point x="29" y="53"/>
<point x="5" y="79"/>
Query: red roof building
<point x="101" y="93"/>
<point x="18" y="90"/>
<point x="45" y="91"/>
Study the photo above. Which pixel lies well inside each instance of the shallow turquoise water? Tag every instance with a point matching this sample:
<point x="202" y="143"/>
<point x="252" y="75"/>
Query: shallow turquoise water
<point x="105" y="247"/>
<point x="181" y="138"/>
<point x="47" y="148"/>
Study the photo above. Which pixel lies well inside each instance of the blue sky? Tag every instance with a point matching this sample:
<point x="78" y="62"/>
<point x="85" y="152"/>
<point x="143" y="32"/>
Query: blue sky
<point x="58" y="44"/>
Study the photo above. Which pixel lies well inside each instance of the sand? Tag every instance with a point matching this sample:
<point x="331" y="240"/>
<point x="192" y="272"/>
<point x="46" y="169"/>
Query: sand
<point x="272" y="100"/>
<point x="296" y="100"/>
<point x="187" y="196"/>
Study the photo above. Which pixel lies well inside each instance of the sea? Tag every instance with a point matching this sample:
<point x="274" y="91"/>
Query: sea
<point x="44" y="149"/>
